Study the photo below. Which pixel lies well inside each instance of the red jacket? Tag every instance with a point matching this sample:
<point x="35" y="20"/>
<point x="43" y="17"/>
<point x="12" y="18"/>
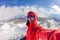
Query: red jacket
<point x="36" y="32"/>
<point x="55" y="35"/>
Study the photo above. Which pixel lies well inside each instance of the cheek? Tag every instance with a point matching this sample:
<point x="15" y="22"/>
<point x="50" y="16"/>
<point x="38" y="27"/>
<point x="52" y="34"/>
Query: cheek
<point x="32" y="19"/>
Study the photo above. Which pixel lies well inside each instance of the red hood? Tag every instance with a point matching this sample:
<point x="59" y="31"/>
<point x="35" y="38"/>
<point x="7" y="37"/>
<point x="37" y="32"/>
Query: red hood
<point x="34" y="23"/>
<point x="35" y="14"/>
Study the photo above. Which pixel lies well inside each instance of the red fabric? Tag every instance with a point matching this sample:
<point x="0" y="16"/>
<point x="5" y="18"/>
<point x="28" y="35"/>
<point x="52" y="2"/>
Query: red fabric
<point x="55" y="35"/>
<point x="36" y="32"/>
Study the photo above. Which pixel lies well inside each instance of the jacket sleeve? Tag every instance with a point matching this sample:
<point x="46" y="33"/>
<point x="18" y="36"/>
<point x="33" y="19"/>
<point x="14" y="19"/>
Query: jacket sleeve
<point x="55" y="35"/>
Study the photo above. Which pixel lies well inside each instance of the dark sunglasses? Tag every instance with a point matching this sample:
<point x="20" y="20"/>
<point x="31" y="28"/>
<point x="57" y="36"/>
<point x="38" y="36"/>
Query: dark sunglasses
<point x="30" y="16"/>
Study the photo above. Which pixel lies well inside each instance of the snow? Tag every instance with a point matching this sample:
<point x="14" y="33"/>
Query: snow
<point x="50" y="24"/>
<point x="54" y="24"/>
<point x="11" y="31"/>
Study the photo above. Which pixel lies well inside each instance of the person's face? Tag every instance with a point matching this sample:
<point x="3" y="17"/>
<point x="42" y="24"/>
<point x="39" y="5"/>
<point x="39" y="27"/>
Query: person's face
<point x="31" y="17"/>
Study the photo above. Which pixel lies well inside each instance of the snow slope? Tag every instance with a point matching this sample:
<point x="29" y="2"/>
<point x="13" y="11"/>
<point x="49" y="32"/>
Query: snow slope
<point x="11" y="32"/>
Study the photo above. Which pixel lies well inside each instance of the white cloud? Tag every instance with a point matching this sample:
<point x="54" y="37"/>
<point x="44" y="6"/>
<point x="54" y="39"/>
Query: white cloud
<point x="7" y="13"/>
<point x="55" y="7"/>
<point x="41" y="9"/>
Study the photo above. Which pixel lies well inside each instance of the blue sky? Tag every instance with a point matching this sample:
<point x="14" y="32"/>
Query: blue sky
<point x="43" y="3"/>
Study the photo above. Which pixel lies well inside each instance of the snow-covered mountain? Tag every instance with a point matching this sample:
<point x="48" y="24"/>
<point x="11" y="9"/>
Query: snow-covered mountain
<point x="11" y="31"/>
<point x="49" y="23"/>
